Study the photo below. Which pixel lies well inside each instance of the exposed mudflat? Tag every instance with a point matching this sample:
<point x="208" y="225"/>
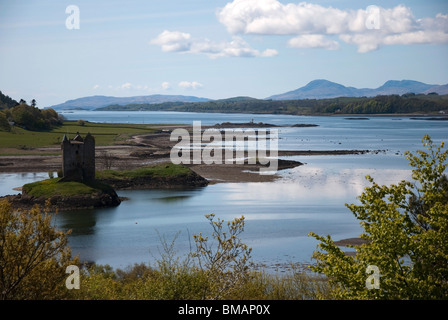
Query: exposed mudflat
<point x="155" y="148"/>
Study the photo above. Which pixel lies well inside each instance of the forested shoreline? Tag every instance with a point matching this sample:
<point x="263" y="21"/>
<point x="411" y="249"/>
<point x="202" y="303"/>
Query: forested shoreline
<point x="391" y="104"/>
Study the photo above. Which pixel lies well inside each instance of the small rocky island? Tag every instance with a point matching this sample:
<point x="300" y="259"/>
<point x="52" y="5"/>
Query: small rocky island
<point x="55" y="194"/>
<point x="79" y="186"/>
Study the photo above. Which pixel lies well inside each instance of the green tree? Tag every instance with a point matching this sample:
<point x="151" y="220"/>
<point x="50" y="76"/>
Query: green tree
<point x="33" y="255"/>
<point x="32" y="118"/>
<point x="224" y="263"/>
<point x="7" y="102"/>
<point x="4" y="123"/>
<point x="406" y="236"/>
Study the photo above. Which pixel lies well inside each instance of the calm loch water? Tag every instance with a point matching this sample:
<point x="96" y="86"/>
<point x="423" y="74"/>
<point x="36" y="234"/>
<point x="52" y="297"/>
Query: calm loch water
<point x="279" y="215"/>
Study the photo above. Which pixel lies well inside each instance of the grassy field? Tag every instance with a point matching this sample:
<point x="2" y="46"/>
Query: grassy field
<point x="20" y="141"/>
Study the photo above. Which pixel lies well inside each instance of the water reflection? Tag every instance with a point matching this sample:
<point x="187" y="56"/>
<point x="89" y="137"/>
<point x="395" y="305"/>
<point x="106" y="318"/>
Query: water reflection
<point x="279" y="215"/>
<point x="84" y="222"/>
<point x="308" y="183"/>
<point x="11" y="183"/>
<point x="172" y="199"/>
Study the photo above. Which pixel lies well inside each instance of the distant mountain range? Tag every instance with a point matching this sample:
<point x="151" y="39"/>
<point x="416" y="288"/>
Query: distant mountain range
<point x="316" y="89"/>
<point x="95" y="102"/>
<point x="323" y="89"/>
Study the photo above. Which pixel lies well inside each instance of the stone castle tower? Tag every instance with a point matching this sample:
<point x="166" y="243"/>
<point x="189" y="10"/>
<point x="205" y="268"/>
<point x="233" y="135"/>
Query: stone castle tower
<point x="78" y="158"/>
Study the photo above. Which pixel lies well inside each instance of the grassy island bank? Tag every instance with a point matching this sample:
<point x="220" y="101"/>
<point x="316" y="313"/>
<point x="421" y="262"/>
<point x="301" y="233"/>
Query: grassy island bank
<point x="71" y="195"/>
<point x="164" y="175"/>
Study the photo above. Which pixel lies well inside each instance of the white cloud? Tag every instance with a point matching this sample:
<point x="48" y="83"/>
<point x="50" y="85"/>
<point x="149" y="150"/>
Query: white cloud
<point x="273" y="17"/>
<point x="126" y="85"/>
<point x="269" y="53"/>
<point x="166" y="85"/>
<point x="190" y="85"/>
<point x="417" y="37"/>
<point x="313" y="41"/>
<point x="175" y="41"/>
<point x="309" y="23"/>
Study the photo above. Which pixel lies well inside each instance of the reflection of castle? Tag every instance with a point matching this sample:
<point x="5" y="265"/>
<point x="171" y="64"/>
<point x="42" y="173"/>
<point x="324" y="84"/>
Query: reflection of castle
<point x="78" y="158"/>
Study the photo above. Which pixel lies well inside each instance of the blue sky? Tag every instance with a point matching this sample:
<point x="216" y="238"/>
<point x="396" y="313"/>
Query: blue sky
<point x="216" y="49"/>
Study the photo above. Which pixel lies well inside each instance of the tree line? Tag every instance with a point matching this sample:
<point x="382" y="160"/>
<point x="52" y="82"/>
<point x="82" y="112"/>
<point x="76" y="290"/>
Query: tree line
<point x="27" y="116"/>
<point x="388" y="104"/>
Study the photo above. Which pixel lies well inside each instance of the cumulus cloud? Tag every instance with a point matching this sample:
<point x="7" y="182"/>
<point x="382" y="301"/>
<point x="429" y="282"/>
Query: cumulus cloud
<point x="190" y="85"/>
<point x="273" y="17"/>
<point x="175" y="41"/>
<point x="126" y="85"/>
<point x="311" y="24"/>
<point x="313" y="41"/>
<point x="166" y="85"/>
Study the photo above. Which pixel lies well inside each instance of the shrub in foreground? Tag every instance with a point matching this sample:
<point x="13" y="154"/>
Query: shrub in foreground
<point x="406" y="237"/>
<point x="33" y="255"/>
